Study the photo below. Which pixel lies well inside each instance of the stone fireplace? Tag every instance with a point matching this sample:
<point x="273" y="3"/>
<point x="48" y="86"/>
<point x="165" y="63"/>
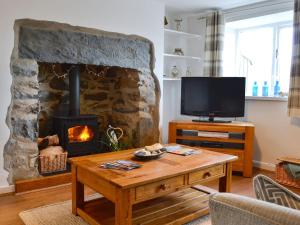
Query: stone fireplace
<point x="117" y="86"/>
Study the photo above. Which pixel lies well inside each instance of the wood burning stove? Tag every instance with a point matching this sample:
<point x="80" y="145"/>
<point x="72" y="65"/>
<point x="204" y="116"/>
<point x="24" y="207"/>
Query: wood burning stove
<point x="78" y="134"/>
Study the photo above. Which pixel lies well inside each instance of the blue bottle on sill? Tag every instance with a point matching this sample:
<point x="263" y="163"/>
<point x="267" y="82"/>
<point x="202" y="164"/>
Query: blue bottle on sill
<point x="255" y="89"/>
<point x="276" y="88"/>
<point x="265" y="89"/>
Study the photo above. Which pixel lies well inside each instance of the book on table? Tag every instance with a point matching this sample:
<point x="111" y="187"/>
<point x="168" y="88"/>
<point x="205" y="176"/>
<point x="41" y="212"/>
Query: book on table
<point x="178" y="150"/>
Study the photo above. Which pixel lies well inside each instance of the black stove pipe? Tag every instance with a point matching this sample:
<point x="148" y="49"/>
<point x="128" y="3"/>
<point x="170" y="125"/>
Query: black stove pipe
<point x="74" y="89"/>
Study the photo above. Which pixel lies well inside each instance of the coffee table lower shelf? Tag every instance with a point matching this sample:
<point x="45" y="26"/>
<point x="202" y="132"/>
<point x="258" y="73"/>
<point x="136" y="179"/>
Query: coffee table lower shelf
<point x="176" y="208"/>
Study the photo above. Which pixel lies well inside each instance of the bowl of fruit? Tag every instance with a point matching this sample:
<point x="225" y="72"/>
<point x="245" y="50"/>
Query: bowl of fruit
<point x="150" y="152"/>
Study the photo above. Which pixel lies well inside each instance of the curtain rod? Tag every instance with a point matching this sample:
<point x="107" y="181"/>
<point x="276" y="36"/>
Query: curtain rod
<point x="258" y="9"/>
<point x="260" y="5"/>
<point x="268" y="7"/>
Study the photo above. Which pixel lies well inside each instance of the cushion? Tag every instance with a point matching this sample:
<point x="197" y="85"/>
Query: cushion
<point x="268" y="190"/>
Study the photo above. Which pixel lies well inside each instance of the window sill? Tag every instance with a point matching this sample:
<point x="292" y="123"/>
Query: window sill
<point x="261" y="98"/>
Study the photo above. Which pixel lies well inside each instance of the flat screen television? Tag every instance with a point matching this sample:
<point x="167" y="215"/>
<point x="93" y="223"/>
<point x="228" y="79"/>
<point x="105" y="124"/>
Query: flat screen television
<point x="213" y="97"/>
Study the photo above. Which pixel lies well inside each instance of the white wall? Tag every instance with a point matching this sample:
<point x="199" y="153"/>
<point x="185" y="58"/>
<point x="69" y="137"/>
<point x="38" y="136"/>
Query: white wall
<point x="276" y="134"/>
<point x="144" y="18"/>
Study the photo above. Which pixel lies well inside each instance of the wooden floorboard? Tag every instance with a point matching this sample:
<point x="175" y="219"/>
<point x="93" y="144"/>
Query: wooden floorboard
<point x="12" y="205"/>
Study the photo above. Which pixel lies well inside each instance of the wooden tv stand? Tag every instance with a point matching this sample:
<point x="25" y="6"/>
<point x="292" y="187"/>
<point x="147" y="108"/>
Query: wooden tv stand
<point x="239" y="142"/>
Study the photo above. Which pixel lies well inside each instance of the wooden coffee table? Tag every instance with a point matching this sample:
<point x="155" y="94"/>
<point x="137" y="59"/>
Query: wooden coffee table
<point x="160" y="192"/>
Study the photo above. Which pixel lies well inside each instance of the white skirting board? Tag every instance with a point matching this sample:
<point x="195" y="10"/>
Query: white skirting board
<point x="7" y="189"/>
<point x="264" y="165"/>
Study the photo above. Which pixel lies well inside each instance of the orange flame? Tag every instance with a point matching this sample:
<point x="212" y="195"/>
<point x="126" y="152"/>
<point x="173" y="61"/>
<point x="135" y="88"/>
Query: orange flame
<point x="85" y="135"/>
<point x="80" y="134"/>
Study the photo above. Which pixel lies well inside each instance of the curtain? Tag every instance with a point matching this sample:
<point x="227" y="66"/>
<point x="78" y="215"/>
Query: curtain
<point x="294" y="92"/>
<point x="214" y="44"/>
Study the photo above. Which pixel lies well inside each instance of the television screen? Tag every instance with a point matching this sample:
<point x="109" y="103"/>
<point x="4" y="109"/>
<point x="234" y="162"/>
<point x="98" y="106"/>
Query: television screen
<point x="213" y="97"/>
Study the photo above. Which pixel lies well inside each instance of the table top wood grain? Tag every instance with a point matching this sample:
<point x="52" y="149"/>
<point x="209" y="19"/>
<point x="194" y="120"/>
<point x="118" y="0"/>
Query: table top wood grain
<point x="169" y="165"/>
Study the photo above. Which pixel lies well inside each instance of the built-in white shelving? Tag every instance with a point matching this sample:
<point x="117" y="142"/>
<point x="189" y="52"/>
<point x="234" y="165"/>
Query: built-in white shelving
<point x="189" y="39"/>
<point x="182" y="33"/>
<point x="182" y="56"/>
<point x="171" y="79"/>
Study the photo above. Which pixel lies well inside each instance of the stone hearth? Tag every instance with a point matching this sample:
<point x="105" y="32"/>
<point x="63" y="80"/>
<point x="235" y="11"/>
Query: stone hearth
<point x="127" y="95"/>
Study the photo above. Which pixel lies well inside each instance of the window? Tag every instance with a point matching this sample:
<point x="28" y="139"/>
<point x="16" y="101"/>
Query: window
<point x="260" y="49"/>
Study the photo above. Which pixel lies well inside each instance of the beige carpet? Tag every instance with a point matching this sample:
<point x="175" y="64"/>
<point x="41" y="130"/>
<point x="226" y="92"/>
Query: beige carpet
<point x="60" y="214"/>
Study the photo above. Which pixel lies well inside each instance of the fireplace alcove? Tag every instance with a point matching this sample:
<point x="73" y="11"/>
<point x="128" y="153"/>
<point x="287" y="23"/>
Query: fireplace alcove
<point x="126" y="95"/>
<point x="109" y="94"/>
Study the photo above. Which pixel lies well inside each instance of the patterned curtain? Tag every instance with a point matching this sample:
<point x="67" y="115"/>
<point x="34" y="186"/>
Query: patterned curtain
<point x="214" y="44"/>
<point x="294" y="93"/>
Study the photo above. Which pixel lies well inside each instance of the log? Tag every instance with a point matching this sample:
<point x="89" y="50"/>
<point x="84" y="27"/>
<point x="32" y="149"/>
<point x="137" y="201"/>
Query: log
<point x="52" y="140"/>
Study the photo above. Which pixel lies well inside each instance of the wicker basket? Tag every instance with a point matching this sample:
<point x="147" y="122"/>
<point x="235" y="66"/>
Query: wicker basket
<point x="58" y="163"/>
<point x="283" y="177"/>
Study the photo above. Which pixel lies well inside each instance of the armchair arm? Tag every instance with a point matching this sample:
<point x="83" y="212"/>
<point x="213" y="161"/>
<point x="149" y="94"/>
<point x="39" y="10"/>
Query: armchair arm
<point x="268" y="190"/>
<point x="231" y="209"/>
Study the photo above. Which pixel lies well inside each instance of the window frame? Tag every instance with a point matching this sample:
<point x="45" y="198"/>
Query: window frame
<point x="276" y="27"/>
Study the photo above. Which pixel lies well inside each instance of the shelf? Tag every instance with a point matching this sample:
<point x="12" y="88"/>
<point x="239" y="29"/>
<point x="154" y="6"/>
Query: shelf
<point x="182" y="57"/>
<point x="176" y="208"/>
<point x="233" y="150"/>
<point x="170" y="78"/>
<point x="181" y="33"/>
<point x="213" y="139"/>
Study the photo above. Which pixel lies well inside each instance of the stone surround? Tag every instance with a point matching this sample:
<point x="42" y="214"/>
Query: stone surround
<point x="127" y="95"/>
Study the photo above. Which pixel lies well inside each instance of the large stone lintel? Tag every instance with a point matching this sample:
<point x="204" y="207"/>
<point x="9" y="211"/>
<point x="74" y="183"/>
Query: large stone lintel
<point x="53" y="42"/>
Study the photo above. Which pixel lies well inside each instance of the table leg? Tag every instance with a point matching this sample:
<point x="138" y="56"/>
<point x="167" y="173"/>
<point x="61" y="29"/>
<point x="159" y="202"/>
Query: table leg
<point x="77" y="192"/>
<point x="123" y="207"/>
<point x="225" y="182"/>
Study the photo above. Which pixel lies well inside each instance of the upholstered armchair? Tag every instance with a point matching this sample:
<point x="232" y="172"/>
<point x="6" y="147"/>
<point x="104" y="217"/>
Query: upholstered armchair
<point x="275" y="205"/>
